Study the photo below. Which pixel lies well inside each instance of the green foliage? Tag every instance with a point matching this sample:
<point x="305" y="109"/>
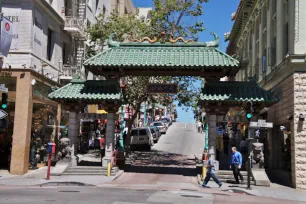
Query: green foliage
<point x="126" y="27"/>
<point x="178" y="17"/>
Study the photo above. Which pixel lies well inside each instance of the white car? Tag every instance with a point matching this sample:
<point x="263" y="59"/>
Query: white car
<point x="161" y="126"/>
<point x="142" y="137"/>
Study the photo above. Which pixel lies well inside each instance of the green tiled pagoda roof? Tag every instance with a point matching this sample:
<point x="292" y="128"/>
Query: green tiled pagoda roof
<point x="234" y="91"/>
<point x="89" y="91"/>
<point x="189" y="56"/>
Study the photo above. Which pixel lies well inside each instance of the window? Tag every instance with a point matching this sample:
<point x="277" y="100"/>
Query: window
<point x="286" y="41"/>
<point x="64" y="53"/>
<point x="257" y="30"/>
<point x="118" y="5"/>
<point x="264" y="53"/>
<point x="245" y="47"/>
<point x="286" y="30"/>
<point x="97" y="4"/>
<point x="274" y="4"/>
<point x="264" y="17"/>
<point x="49" y="45"/>
<point x="273" y="43"/>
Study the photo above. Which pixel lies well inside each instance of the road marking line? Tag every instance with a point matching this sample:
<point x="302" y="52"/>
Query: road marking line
<point x="185" y="125"/>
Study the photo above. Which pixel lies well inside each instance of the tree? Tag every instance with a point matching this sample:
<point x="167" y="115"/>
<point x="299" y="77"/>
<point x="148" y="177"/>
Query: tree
<point x="168" y="15"/>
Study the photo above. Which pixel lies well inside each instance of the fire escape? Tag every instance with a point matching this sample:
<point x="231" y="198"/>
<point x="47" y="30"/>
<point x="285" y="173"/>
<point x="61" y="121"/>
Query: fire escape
<point x="74" y="14"/>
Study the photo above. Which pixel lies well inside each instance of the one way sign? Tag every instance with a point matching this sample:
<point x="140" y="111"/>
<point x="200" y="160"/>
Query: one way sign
<point x="3" y="114"/>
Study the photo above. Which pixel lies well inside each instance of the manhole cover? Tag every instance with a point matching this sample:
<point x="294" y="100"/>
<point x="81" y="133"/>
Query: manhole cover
<point x="191" y="196"/>
<point x="69" y="191"/>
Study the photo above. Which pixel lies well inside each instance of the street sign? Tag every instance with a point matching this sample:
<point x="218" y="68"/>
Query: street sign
<point x="261" y="124"/>
<point x="3" y="88"/>
<point x="3" y="114"/>
<point x="162" y="88"/>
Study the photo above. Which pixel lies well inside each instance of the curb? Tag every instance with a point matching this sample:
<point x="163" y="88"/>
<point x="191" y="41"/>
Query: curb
<point x="120" y="172"/>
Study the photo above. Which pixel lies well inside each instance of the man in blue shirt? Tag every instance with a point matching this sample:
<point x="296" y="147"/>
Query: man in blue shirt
<point x="235" y="164"/>
<point x="210" y="172"/>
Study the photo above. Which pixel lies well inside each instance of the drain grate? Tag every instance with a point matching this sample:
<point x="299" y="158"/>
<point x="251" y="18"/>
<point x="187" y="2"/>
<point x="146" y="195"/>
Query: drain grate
<point x="191" y="196"/>
<point x="69" y="191"/>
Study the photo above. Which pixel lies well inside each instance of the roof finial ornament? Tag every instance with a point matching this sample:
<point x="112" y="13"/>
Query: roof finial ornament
<point x="215" y="42"/>
<point x="111" y="42"/>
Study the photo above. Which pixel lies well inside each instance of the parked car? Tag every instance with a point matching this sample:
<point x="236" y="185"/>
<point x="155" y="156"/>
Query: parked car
<point x="166" y="121"/>
<point x="161" y="126"/>
<point x="142" y="137"/>
<point x="155" y="133"/>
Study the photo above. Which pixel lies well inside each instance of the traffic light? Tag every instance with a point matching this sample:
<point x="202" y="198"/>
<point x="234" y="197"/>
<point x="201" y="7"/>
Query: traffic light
<point x="250" y="110"/>
<point x="4" y="101"/>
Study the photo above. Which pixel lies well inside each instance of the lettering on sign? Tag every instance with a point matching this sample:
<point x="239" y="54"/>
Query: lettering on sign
<point x="162" y="88"/>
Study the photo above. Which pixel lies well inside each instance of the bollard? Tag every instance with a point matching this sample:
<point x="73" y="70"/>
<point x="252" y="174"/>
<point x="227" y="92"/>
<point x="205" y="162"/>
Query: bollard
<point x="49" y="167"/>
<point x="108" y="168"/>
<point x="204" y="166"/>
<point x="51" y="150"/>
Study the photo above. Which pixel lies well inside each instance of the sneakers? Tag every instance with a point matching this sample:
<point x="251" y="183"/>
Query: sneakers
<point x="203" y="186"/>
<point x="220" y="185"/>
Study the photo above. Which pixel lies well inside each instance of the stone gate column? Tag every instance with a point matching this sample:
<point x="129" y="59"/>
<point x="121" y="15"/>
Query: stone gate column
<point x="109" y="138"/>
<point x="22" y="125"/>
<point x="73" y="129"/>
<point x="212" y="119"/>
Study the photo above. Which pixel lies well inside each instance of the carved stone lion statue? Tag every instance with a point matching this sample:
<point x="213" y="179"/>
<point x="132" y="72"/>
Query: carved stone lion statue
<point x="64" y="149"/>
<point x="257" y="154"/>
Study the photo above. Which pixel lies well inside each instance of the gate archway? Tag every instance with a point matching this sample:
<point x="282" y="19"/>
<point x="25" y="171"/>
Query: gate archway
<point x="152" y="58"/>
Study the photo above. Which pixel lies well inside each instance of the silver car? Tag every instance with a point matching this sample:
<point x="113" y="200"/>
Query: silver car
<point x="142" y="137"/>
<point x="161" y="126"/>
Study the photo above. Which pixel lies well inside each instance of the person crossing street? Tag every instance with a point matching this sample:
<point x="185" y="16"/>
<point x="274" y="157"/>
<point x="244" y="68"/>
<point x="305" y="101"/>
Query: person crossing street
<point x="235" y="164"/>
<point x="211" y="172"/>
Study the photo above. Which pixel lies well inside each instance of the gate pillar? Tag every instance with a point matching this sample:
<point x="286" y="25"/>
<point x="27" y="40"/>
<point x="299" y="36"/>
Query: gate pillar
<point x="109" y="138"/>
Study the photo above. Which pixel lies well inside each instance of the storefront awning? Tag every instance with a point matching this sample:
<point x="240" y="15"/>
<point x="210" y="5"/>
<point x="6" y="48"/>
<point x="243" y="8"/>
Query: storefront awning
<point x="90" y="92"/>
<point x="236" y="93"/>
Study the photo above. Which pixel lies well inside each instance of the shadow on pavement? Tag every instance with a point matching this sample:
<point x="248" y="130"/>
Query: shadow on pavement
<point x="158" y="162"/>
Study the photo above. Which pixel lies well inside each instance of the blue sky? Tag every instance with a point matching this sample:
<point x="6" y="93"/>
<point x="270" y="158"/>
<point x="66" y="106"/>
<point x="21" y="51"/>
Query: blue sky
<point x="217" y="18"/>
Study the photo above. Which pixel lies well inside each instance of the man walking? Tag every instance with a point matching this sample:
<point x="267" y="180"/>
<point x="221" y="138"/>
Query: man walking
<point x="211" y="173"/>
<point x="235" y="164"/>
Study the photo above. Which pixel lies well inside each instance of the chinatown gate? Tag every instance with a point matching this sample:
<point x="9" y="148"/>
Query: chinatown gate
<point x="161" y="56"/>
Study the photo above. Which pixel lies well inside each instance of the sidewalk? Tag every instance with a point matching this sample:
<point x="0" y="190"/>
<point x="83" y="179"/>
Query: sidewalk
<point x="274" y="191"/>
<point x="38" y="177"/>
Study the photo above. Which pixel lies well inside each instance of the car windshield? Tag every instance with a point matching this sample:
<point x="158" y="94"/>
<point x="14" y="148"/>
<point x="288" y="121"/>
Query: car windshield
<point x="158" y="124"/>
<point x="134" y="133"/>
<point x="142" y="132"/>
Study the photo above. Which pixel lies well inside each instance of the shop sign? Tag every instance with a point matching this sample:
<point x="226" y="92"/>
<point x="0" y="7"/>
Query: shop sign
<point x="13" y="14"/>
<point x="261" y="124"/>
<point x="162" y="88"/>
<point x="6" y="36"/>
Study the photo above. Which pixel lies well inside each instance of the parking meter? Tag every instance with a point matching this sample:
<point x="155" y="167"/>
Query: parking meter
<point x="51" y="148"/>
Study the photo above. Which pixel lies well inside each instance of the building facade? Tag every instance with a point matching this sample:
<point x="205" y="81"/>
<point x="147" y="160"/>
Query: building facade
<point x="48" y="48"/>
<point x="269" y="39"/>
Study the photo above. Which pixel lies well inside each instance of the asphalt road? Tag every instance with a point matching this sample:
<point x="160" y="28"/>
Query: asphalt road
<point x="93" y="195"/>
<point x="181" y="138"/>
<point x="171" y="162"/>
